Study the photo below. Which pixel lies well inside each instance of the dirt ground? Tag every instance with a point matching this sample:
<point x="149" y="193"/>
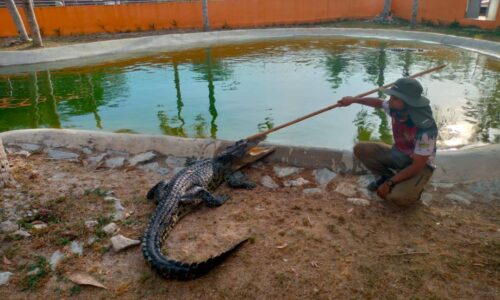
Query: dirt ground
<point x="300" y="246"/>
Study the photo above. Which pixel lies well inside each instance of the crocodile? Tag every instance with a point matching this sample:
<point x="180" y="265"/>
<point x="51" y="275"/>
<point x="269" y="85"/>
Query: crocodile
<point x="189" y="188"/>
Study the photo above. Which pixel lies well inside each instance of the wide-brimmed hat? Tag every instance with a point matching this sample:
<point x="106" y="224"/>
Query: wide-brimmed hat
<point x="410" y="91"/>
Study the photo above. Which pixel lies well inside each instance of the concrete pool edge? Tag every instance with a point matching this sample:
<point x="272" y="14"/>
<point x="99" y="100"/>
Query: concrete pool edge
<point x="78" y="53"/>
<point x="473" y="165"/>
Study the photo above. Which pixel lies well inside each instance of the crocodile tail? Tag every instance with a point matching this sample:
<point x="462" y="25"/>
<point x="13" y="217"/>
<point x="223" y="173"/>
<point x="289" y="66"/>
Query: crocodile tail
<point x="177" y="270"/>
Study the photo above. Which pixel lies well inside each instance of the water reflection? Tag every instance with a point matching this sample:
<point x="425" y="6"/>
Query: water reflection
<point x="229" y="92"/>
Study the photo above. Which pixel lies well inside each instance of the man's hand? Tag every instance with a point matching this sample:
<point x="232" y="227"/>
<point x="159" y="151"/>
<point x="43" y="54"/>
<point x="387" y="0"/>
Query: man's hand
<point x="346" y="101"/>
<point x="383" y="190"/>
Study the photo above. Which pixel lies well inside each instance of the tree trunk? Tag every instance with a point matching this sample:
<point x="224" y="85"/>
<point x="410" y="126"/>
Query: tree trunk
<point x="414" y="13"/>
<point x="21" y="30"/>
<point x="6" y="179"/>
<point x="30" y="16"/>
<point x="387" y="7"/>
<point x="206" y="25"/>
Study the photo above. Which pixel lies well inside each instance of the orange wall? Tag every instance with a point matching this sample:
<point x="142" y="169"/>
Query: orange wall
<point x="251" y="13"/>
<point x="235" y="13"/>
<point x="444" y="11"/>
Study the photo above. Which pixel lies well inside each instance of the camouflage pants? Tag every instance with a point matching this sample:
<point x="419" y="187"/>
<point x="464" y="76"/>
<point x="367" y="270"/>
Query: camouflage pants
<point x="384" y="160"/>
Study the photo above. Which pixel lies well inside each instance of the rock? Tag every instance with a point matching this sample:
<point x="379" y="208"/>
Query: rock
<point x="119" y="209"/>
<point x="55" y="259"/>
<point x="365" y="193"/>
<point x="312" y="191"/>
<point x="153" y="167"/>
<point x="177" y="170"/>
<point x="286" y="171"/>
<point x="33" y="272"/>
<point x="8" y="227"/>
<point x="324" y="176"/>
<point x="91" y="224"/>
<point x="5" y="277"/>
<point x="94" y="160"/>
<point x="76" y="248"/>
<point x="458" y="199"/>
<point x="442" y="185"/>
<point x="60" y="175"/>
<point x="22" y="233"/>
<point x="297" y="182"/>
<point x="86" y="150"/>
<point x="39" y="226"/>
<point x="426" y="198"/>
<point x="116" y="162"/>
<point x="258" y="165"/>
<point x="30" y="147"/>
<point x="163" y="171"/>
<point x="64" y="155"/>
<point x="142" y="158"/>
<point x="175" y="162"/>
<point x="358" y="201"/>
<point x="268" y="182"/>
<point x="110" y="228"/>
<point x="119" y="242"/>
<point x="91" y="240"/>
<point x="346" y="189"/>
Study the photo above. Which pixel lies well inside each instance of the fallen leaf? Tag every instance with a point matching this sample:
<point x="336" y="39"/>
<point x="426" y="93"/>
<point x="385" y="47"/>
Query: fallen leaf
<point x="282" y="246"/>
<point x="314" y="264"/>
<point x="85" y="279"/>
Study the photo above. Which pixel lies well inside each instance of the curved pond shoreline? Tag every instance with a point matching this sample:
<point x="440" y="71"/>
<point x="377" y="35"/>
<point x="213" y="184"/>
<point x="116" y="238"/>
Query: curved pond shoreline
<point x="472" y="166"/>
<point x="72" y="55"/>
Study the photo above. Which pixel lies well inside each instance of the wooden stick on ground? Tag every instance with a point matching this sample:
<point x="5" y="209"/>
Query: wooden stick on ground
<point x="264" y="133"/>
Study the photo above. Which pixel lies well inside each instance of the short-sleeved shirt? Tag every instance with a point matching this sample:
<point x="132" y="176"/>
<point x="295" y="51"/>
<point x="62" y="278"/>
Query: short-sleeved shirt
<point x="409" y="139"/>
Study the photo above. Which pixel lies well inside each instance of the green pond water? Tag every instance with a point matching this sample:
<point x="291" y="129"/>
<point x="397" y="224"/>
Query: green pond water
<point x="232" y="92"/>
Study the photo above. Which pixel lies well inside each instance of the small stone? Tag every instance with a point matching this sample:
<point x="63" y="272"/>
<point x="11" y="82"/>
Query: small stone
<point x="286" y="171"/>
<point x="55" y="259"/>
<point x="426" y="198"/>
<point x="346" y="189"/>
<point x="365" y="180"/>
<point x="324" y="176"/>
<point x="458" y="199"/>
<point x="116" y="162"/>
<point x="153" y="167"/>
<point x="175" y="162"/>
<point x="33" y="272"/>
<point x="442" y="185"/>
<point x="40" y="226"/>
<point x="163" y="171"/>
<point x="64" y="155"/>
<point x="142" y="158"/>
<point x="297" y="182"/>
<point x="119" y="211"/>
<point x="312" y="191"/>
<point x="23" y="153"/>
<point x="30" y="147"/>
<point x="94" y="160"/>
<point x="119" y="242"/>
<point x="358" y="201"/>
<point x="5" y="277"/>
<point x="110" y="228"/>
<point x="76" y="248"/>
<point x="8" y="227"/>
<point x="91" y="240"/>
<point x="86" y="150"/>
<point x="91" y="224"/>
<point x="22" y="233"/>
<point x="268" y="182"/>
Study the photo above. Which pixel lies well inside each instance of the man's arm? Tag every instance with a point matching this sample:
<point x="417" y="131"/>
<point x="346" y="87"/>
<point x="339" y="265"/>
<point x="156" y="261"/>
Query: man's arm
<point x="368" y="101"/>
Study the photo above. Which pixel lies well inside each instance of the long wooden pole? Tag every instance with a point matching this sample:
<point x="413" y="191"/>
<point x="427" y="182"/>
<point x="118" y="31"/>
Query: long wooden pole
<point x="264" y="133"/>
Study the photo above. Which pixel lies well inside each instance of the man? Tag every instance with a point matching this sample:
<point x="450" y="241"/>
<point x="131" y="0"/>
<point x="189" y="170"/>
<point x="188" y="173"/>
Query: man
<point x="404" y="168"/>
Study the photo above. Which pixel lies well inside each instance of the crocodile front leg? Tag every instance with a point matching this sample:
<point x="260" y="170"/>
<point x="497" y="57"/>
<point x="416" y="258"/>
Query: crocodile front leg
<point x="239" y="180"/>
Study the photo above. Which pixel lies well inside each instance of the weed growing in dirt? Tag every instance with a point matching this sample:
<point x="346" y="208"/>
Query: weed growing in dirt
<point x="37" y="271"/>
<point x="75" y="290"/>
<point x="96" y="192"/>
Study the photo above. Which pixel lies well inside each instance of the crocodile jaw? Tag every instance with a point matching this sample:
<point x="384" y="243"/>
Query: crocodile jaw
<point x="253" y="154"/>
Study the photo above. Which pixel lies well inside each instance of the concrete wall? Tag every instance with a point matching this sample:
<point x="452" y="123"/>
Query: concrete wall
<point x="443" y="11"/>
<point x="74" y="20"/>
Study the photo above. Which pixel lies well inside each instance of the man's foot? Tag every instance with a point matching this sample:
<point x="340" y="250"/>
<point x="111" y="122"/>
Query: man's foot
<point x="373" y="186"/>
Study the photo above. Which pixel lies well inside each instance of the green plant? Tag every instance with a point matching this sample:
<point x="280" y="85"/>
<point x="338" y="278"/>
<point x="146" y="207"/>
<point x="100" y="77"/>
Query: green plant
<point x="174" y="23"/>
<point x="455" y="25"/>
<point x="37" y="272"/>
<point x="225" y="25"/>
<point x="57" y="31"/>
<point x="152" y="26"/>
<point x="97" y="192"/>
<point x="75" y="290"/>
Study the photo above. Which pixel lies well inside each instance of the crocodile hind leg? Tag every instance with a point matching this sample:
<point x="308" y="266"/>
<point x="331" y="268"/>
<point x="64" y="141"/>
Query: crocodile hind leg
<point x="156" y="191"/>
<point x="239" y="180"/>
<point x="212" y="200"/>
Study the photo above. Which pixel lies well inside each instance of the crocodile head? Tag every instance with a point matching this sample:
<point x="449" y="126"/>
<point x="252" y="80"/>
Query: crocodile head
<point x="243" y="152"/>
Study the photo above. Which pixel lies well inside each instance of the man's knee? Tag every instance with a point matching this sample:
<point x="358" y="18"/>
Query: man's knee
<point x="362" y="150"/>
